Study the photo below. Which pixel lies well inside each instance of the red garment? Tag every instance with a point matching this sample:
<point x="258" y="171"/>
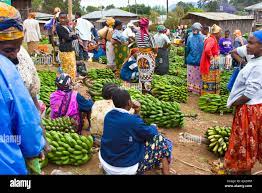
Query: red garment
<point x="245" y="143"/>
<point x="211" y="48"/>
<point x="143" y="24"/>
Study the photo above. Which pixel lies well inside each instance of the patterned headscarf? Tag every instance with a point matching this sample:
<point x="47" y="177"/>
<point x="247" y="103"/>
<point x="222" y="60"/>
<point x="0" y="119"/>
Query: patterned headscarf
<point x="161" y="28"/>
<point x="63" y="81"/>
<point x="110" y="22"/>
<point x="10" y="23"/>
<point x="144" y="24"/>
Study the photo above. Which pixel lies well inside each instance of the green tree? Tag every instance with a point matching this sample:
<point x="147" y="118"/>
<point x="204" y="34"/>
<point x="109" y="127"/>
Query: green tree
<point x="37" y="5"/>
<point x="209" y="5"/>
<point x="140" y="8"/>
<point x="185" y="6"/>
<point x="110" y="7"/>
<point x="159" y="9"/>
<point x="241" y="4"/>
<point x="90" y="9"/>
<point x="154" y="16"/>
<point x="49" y="5"/>
<point x="172" y="21"/>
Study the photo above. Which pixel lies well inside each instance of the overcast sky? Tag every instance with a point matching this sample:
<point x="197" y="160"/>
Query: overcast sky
<point x="122" y="3"/>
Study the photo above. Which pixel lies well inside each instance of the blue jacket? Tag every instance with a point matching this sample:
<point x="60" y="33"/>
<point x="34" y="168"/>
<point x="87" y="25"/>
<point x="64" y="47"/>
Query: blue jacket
<point x="124" y="136"/>
<point x="129" y="70"/>
<point x="19" y="118"/>
<point x="194" y="49"/>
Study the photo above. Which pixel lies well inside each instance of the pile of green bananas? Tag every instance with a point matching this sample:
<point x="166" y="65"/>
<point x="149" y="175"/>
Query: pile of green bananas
<point x="164" y="114"/>
<point x="95" y="88"/>
<point x="100" y="74"/>
<point x="168" y="80"/>
<point x="213" y="103"/>
<point x="225" y="77"/>
<point x="218" y="138"/>
<point x="68" y="148"/>
<point x="65" y="124"/>
<point x="48" y="86"/>
<point x="102" y="60"/>
<point x="176" y="70"/>
<point x="177" y="59"/>
<point x="170" y="93"/>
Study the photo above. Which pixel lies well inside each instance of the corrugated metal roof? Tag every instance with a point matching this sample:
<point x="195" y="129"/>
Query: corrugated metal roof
<point x="218" y="16"/>
<point x="254" y="7"/>
<point x="40" y="16"/>
<point x="108" y="13"/>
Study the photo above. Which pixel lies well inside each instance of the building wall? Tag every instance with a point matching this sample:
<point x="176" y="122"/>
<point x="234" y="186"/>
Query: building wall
<point x="24" y="7"/>
<point x="244" y="25"/>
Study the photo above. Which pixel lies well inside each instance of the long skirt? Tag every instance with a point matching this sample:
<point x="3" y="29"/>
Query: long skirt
<point x="211" y="81"/>
<point x="155" y="150"/>
<point x="68" y="61"/>
<point x="32" y="46"/>
<point x="146" y="67"/>
<point x="162" y="61"/>
<point x="121" y="53"/>
<point x="245" y="143"/>
<point x="194" y="81"/>
<point x="110" y="54"/>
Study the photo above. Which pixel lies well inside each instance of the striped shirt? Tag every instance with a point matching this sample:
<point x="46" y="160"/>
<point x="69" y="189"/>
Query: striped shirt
<point x="148" y="41"/>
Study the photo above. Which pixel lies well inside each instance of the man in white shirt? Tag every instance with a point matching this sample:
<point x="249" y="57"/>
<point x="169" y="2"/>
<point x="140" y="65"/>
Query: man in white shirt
<point x="32" y="34"/>
<point x="83" y="28"/>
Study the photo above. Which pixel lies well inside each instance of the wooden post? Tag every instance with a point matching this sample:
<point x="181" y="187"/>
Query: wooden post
<point x="70" y="10"/>
<point x="167" y="8"/>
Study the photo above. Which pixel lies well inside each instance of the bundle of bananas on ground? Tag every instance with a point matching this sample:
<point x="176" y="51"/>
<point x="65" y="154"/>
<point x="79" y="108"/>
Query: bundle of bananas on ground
<point x="170" y="93"/>
<point x="68" y="148"/>
<point x="100" y="74"/>
<point x="102" y="60"/>
<point x="48" y="86"/>
<point x="213" y="103"/>
<point x="225" y="77"/>
<point x="177" y="59"/>
<point x="223" y="107"/>
<point x="218" y="138"/>
<point x="95" y="88"/>
<point x="164" y="114"/>
<point x="168" y="80"/>
<point x="65" y="124"/>
<point x="176" y="70"/>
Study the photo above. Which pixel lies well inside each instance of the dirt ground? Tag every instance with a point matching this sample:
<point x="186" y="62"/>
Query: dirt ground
<point x="189" y="158"/>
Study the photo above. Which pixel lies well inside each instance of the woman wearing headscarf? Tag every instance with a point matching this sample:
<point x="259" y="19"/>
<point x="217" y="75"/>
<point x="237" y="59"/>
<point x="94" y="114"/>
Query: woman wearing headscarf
<point x="146" y="55"/>
<point x="67" y="102"/>
<point x="19" y="119"/>
<point x="120" y="45"/>
<point x="239" y="39"/>
<point x="110" y="54"/>
<point x="194" y="49"/>
<point x="163" y="43"/>
<point x="67" y="54"/>
<point x="32" y="33"/>
<point x="209" y="63"/>
<point x="245" y="143"/>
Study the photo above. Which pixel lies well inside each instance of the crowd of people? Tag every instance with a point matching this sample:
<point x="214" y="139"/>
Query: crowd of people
<point x="128" y="145"/>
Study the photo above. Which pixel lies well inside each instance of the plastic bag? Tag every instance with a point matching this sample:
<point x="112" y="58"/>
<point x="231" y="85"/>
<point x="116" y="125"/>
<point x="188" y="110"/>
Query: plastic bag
<point x="233" y="78"/>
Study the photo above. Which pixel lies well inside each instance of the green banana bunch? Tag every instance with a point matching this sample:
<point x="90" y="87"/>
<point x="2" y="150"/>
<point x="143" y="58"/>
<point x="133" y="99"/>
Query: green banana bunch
<point x="224" y="79"/>
<point x="48" y="86"/>
<point x="170" y="93"/>
<point x="213" y="103"/>
<point x="95" y="88"/>
<point x="64" y="124"/>
<point x="168" y="80"/>
<point x="69" y="148"/>
<point x="164" y="114"/>
<point x="176" y="70"/>
<point x="100" y="74"/>
<point x="218" y="138"/>
<point x="102" y="60"/>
